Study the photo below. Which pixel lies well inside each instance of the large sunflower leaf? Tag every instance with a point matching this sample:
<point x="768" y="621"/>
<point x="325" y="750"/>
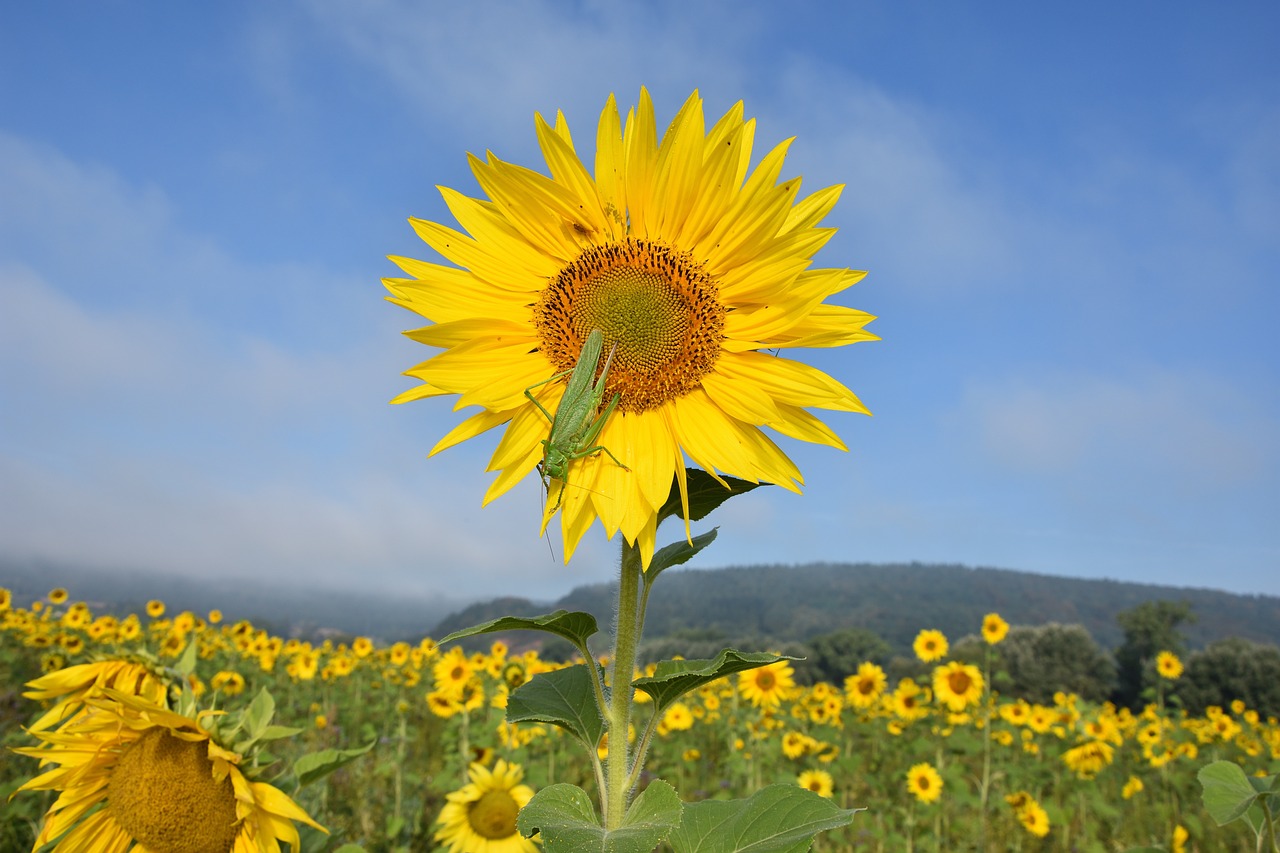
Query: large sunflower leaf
<point x="1228" y="793"/>
<point x="562" y="697"/>
<point x="574" y="626"/>
<point x="566" y="820"/>
<point x="781" y="818"/>
<point x="316" y="765"/>
<point x="677" y="553"/>
<point x="705" y="494"/>
<point x="672" y="679"/>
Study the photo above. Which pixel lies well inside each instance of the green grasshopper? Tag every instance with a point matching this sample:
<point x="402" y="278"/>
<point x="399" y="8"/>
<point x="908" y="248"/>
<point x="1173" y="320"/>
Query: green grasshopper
<point x="578" y="419"/>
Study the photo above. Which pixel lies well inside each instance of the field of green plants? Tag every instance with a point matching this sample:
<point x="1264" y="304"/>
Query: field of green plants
<point x="386" y="738"/>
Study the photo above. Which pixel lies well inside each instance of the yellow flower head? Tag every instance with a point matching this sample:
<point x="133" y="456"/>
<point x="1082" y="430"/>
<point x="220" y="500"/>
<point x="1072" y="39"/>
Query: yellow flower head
<point x="57" y="595"/>
<point x="930" y="645"/>
<point x="691" y="264"/>
<point x="1168" y="665"/>
<point x="155" y="608"/>
<point x="160" y="777"/>
<point x="924" y="782"/>
<point x="818" y="781"/>
<point x="957" y="685"/>
<point x="994" y="629"/>
<point x="865" y="687"/>
<point x="766" y="686"/>
<point x="481" y="816"/>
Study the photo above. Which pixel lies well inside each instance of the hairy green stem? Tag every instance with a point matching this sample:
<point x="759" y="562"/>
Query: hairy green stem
<point x="626" y="639"/>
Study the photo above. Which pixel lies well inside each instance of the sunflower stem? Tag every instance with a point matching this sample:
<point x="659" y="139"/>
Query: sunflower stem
<point x="626" y="639"/>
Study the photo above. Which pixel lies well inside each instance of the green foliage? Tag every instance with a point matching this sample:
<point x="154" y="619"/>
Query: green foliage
<point x="1149" y="628"/>
<point x="566" y="819"/>
<point x="562" y="697"/>
<point x="777" y="819"/>
<point x="1233" y="669"/>
<point x="1036" y="662"/>
<point x="834" y="655"/>
<point x="1229" y="795"/>
<point x="674" y="678"/>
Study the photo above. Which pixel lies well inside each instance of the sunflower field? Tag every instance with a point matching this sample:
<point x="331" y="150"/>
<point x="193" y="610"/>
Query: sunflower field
<point x="406" y="746"/>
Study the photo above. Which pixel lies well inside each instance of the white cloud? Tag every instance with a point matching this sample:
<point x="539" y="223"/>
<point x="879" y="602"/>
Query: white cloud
<point x="1189" y="432"/>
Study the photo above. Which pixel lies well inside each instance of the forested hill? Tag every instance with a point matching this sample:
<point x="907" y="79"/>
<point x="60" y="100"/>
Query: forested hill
<point x="796" y="603"/>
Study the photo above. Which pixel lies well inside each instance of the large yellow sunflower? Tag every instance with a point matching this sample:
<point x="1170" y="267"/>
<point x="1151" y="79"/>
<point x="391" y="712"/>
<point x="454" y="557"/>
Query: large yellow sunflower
<point x="767" y="686"/>
<point x="481" y="816"/>
<point x="689" y="262"/>
<point x="957" y="685"/>
<point x="162" y="784"/>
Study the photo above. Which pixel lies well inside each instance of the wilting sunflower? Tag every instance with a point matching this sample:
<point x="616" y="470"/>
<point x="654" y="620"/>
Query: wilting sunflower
<point x="767" y="686"/>
<point x="162" y="782"/>
<point x="481" y="816"/>
<point x="690" y="263"/>
<point x="924" y="782"/>
<point x="73" y="685"/>
<point x="1168" y="665"/>
<point x="957" y="685"/>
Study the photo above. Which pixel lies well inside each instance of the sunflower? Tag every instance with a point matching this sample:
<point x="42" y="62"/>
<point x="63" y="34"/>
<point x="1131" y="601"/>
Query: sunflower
<point x="930" y="645"/>
<point x="73" y="685"/>
<point x="994" y="629"/>
<point x="57" y="595"/>
<point x="1168" y="665"/>
<point x="162" y="781"/>
<point x="865" y="687"/>
<point x="689" y="264"/>
<point x="924" y="782"/>
<point x="818" y="781"/>
<point x="767" y="686"/>
<point x="1030" y="814"/>
<point x="155" y="608"/>
<point x="957" y="685"/>
<point x="481" y="816"/>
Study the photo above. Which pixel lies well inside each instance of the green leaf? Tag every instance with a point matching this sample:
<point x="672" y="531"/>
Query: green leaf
<point x="277" y="732"/>
<point x="562" y="697"/>
<point x="575" y="627"/>
<point x="566" y="819"/>
<point x="316" y="765"/>
<point x="259" y="713"/>
<point x="186" y="663"/>
<point x="350" y="848"/>
<point x="1227" y="794"/>
<point x="705" y="494"/>
<point x="781" y="818"/>
<point x="672" y="679"/>
<point x="676" y="554"/>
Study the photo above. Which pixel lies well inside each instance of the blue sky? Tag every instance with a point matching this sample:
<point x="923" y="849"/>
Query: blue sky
<point x="1070" y="217"/>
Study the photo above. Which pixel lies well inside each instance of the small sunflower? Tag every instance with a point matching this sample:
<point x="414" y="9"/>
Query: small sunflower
<point x="162" y="784"/>
<point x="58" y="595"/>
<point x="865" y="687"/>
<point x="930" y="645"/>
<point x="481" y="816"/>
<point x="818" y="781"/>
<point x="155" y="608"/>
<point x="1168" y="666"/>
<point x="689" y="263"/>
<point x="957" y="685"/>
<point x="924" y="782"/>
<point x="994" y="629"/>
<point x="767" y="686"/>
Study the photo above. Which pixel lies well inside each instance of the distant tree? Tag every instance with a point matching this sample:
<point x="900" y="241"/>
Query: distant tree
<point x="838" y="654"/>
<point x="1149" y="628"/>
<point x="1033" y="663"/>
<point x="1232" y="669"/>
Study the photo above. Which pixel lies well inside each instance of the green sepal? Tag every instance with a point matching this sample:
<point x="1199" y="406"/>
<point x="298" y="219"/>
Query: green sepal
<point x="677" y="553"/>
<point x="562" y="697"/>
<point x="257" y="717"/>
<point x="574" y="626"/>
<point x="705" y="494"/>
<point x="781" y="818"/>
<point x="672" y="679"/>
<point x="566" y="821"/>
<point x="186" y="663"/>
<point x="316" y="765"/>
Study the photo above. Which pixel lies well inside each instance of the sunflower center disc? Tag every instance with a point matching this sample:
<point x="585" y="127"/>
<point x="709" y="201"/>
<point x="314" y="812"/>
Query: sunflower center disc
<point x="162" y="792"/>
<point x="658" y="305"/>
<point x="494" y="815"/>
<point x="959" y="682"/>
